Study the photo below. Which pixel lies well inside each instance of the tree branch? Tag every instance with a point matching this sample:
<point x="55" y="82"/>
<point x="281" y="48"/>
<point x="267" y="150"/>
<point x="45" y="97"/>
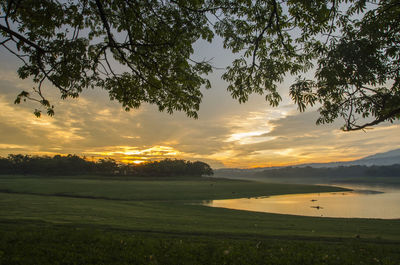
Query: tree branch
<point x="375" y="122"/>
<point x="260" y="36"/>
<point x="22" y="38"/>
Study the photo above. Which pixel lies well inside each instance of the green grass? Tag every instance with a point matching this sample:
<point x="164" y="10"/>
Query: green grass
<point x="84" y="221"/>
<point x="185" y="189"/>
<point x="80" y="245"/>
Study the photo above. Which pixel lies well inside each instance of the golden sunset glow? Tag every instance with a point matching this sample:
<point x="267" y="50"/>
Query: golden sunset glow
<point x="129" y="161"/>
<point x="152" y="151"/>
<point x="138" y="162"/>
<point x="227" y="134"/>
<point x="131" y="154"/>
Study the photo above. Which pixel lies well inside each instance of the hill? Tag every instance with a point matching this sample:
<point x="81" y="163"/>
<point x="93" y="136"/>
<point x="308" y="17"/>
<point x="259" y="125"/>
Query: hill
<point x="380" y="168"/>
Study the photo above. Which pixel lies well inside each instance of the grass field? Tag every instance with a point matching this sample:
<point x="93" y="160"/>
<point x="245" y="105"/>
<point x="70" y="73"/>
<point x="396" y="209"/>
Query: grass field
<point x="93" y="220"/>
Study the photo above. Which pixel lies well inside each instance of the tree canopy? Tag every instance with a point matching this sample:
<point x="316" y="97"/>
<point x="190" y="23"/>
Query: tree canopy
<point x="74" y="165"/>
<point x="141" y="51"/>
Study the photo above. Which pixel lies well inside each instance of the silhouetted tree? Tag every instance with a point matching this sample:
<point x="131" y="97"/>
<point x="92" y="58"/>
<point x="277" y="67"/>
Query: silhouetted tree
<point x="107" y="166"/>
<point x="75" y="165"/>
<point x="332" y="172"/>
<point x="201" y="168"/>
<point x="141" y="51"/>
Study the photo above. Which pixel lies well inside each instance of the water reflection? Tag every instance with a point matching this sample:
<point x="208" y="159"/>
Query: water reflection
<point x="384" y="204"/>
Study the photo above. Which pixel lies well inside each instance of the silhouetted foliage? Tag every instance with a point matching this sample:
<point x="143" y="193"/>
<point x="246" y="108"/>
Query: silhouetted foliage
<point x="75" y="165"/>
<point x="169" y="167"/>
<point x="142" y="51"/>
<point x="333" y="172"/>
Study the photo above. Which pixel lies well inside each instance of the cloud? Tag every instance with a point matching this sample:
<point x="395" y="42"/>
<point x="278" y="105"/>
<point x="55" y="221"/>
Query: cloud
<point x="296" y="139"/>
<point x="226" y="134"/>
<point x="93" y="125"/>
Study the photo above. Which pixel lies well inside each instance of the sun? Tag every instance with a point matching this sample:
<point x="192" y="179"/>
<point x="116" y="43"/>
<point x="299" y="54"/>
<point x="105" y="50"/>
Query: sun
<point x="130" y="161"/>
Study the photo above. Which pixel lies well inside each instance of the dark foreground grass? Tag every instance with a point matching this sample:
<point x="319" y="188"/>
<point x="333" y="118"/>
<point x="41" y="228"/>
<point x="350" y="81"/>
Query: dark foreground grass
<point x="56" y="244"/>
<point x="103" y="221"/>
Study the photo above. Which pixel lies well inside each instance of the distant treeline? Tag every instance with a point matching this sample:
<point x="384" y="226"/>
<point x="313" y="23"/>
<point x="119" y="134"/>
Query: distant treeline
<point x="333" y="172"/>
<point x="75" y="165"/>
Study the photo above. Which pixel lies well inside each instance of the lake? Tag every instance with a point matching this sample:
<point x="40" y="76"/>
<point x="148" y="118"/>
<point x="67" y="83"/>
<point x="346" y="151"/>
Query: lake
<point x="362" y="202"/>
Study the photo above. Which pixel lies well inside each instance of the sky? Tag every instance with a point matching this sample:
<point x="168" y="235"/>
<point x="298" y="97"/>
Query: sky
<point x="227" y="134"/>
